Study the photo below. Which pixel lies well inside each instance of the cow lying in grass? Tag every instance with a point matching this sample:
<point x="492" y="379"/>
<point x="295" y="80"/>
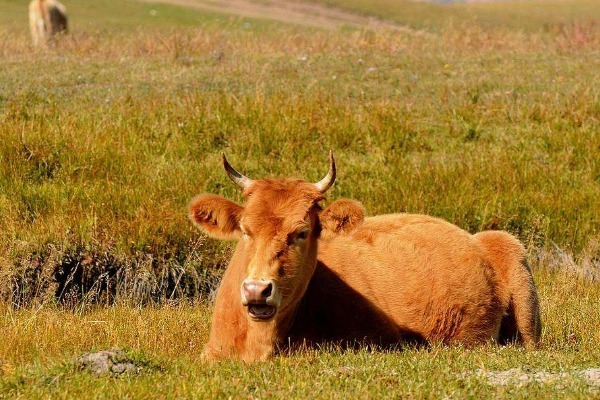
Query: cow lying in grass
<point x="301" y="275"/>
<point x="47" y="18"/>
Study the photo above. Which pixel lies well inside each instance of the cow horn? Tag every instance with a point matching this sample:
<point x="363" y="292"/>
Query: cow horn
<point x="239" y="179"/>
<point x="324" y="184"/>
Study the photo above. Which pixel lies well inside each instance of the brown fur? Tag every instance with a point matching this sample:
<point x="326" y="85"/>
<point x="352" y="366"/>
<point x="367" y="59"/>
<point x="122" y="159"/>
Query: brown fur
<point x="47" y="18"/>
<point x="378" y="280"/>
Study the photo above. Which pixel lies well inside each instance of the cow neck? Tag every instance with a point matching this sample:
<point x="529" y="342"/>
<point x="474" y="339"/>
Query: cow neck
<point x="286" y="325"/>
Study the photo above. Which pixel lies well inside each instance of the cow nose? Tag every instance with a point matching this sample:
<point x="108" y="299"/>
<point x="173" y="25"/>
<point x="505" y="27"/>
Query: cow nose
<point x="257" y="291"/>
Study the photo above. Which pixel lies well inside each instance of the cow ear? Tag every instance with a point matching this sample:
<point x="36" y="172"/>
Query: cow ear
<point x="217" y="216"/>
<point x="342" y="216"/>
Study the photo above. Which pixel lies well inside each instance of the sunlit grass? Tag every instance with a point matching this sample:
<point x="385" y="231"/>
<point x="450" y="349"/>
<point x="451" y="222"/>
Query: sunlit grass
<point x="105" y="138"/>
<point x="40" y="346"/>
<point x="525" y="15"/>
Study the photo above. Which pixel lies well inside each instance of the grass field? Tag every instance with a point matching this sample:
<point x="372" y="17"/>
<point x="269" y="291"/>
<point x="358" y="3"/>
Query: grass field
<point x="492" y="122"/>
<point x="531" y="16"/>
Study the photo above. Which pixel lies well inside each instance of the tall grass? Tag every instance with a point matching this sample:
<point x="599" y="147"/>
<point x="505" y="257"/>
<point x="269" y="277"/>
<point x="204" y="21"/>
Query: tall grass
<point x="40" y="346"/>
<point x="491" y="122"/>
<point x="106" y="137"/>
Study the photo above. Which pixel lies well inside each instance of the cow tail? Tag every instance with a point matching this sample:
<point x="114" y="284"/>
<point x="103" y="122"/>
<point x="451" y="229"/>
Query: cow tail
<point x="521" y="321"/>
<point x="525" y="304"/>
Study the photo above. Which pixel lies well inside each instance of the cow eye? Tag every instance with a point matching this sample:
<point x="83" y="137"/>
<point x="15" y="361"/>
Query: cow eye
<point x="302" y="235"/>
<point x="297" y="236"/>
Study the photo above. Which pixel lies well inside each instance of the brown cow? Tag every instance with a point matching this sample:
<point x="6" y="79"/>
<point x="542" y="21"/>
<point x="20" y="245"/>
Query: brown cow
<point x="301" y="275"/>
<point x="47" y="18"/>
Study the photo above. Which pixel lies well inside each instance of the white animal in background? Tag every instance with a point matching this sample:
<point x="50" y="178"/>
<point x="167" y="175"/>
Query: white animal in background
<point x="47" y="18"/>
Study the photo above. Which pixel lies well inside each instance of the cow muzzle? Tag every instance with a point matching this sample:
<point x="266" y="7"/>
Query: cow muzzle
<point x="259" y="296"/>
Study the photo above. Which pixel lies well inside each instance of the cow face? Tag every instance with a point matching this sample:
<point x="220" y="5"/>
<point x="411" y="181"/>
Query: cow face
<point x="277" y="227"/>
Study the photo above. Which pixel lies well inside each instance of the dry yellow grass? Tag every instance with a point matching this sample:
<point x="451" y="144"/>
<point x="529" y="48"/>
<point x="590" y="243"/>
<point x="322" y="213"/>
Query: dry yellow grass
<point x="106" y="137"/>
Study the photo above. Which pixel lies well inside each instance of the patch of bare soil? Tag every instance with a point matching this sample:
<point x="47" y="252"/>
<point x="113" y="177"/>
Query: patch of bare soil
<point x="305" y="14"/>
<point x="518" y="377"/>
<point x="107" y="362"/>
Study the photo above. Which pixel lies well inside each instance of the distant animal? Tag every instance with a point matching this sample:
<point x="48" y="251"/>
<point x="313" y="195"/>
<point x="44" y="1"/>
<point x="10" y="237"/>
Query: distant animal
<point x="304" y="276"/>
<point x="47" y="18"/>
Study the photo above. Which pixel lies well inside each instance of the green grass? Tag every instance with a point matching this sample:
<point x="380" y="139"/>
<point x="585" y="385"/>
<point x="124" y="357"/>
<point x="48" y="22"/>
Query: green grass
<point x="40" y="346"/>
<point x="517" y="15"/>
<point x="116" y="16"/>
<point x="105" y="138"/>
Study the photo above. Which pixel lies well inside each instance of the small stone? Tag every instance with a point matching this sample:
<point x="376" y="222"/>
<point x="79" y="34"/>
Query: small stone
<point x="113" y="361"/>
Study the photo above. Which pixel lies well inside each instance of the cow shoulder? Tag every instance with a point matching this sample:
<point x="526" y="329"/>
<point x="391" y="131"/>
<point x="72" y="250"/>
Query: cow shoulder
<point x="216" y="215"/>
<point x="341" y="217"/>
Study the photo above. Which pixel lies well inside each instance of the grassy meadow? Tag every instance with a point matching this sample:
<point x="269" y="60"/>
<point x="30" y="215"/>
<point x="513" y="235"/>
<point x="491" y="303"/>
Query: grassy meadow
<point x="491" y="120"/>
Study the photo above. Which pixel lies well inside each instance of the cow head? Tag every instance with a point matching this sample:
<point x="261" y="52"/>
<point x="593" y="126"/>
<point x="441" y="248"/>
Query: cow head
<point x="277" y="229"/>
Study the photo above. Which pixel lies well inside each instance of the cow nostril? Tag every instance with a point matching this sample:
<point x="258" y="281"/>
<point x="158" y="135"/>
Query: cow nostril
<point x="266" y="292"/>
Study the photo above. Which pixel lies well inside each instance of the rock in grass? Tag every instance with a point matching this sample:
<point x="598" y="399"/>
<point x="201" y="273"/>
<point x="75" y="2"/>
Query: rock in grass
<point x="519" y="377"/>
<point x="592" y="375"/>
<point x="113" y="362"/>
